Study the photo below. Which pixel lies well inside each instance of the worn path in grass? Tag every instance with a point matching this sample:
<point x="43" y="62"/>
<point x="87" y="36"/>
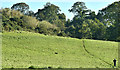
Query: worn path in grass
<point x="25" y="49"/>
<point x="105" y="51"/>
<point x="94" y="55"/>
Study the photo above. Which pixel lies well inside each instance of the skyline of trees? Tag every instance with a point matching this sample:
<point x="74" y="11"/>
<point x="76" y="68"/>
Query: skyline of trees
<point x="49" y="21"/>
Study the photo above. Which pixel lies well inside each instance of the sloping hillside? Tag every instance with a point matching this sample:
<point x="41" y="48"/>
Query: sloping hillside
<point x="25" y="49"/>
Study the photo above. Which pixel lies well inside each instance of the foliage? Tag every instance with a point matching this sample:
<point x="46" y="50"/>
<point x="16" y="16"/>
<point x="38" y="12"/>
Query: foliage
<point x="30" y="13"/>
<point x="79" y="10"/>
<point x="15" y="20"/>
<point x="22" y="7"/>
<point x="110" y="16"/>
<point x="11" y="19"/>
<point x="49" y="21"/>
<point x="50" y="13"/>
<point x="46" y="28"/>
<point x="92" y="29"/>
<point x="30" y="22"/>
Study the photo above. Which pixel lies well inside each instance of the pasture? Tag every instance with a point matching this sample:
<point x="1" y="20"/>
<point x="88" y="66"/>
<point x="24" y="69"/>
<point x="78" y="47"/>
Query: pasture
<point x="25" y="49"/>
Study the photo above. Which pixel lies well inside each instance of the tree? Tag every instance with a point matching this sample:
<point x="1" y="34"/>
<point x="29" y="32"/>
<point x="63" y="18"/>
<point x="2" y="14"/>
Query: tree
<point x="51" y="13"/>
<point x="30" y="13"/>
<point x="110" y="17"/>
<point x="79" y="10"/>
<point x="22" y="7"/>
<point x="91" y="15"/>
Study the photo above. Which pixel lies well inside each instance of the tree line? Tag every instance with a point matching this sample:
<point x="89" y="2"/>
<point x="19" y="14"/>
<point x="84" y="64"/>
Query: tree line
<point x="49" y="21"/>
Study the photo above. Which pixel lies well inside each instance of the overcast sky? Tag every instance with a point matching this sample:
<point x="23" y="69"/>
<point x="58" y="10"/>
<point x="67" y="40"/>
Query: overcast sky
<point x="64" y="5"/>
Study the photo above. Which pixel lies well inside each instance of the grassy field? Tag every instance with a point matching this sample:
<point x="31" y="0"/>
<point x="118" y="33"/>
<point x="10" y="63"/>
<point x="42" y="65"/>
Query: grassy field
<point x="25" y="49"/>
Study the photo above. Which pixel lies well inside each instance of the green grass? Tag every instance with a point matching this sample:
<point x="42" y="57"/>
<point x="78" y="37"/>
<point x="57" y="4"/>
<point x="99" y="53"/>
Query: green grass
<point x="102" y="49"/>
<point x="25" y="49"/>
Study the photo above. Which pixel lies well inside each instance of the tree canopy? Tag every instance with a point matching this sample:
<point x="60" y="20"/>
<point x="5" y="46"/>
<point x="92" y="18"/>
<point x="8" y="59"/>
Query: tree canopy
<point x="110" y="17"/>
<point x="50" y="21"/>
<point x="22" y="7"/>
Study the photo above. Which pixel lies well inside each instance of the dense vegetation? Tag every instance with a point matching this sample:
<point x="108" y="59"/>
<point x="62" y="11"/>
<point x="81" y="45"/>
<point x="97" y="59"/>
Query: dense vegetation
<point x="28" y="49"/>
<point x="49" y="21"/>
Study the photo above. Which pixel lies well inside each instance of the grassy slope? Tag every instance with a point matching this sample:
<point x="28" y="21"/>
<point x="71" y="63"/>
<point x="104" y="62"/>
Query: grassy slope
<point x="21" y="50"/>
<point x="104" y="50"/>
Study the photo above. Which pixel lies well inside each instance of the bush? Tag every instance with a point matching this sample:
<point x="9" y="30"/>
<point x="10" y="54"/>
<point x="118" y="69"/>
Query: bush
<point x="118" y="39"/>
<point x="31" y="67"/>
<point x="49" y="67"/>
<point x="29" y="22"/>
<point x="11" y="19"/>
<point x="46" y="28"/>
<point x="59" y="67"/>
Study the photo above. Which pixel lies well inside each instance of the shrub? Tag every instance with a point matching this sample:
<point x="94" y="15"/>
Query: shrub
<point x="31" y="67"/>
<point x="29" y="22"/>
<point x="46" y="28"/>
<point x="59" y="67"/>
<point x="49" y="67"/>
<point x="12" y="68"/>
